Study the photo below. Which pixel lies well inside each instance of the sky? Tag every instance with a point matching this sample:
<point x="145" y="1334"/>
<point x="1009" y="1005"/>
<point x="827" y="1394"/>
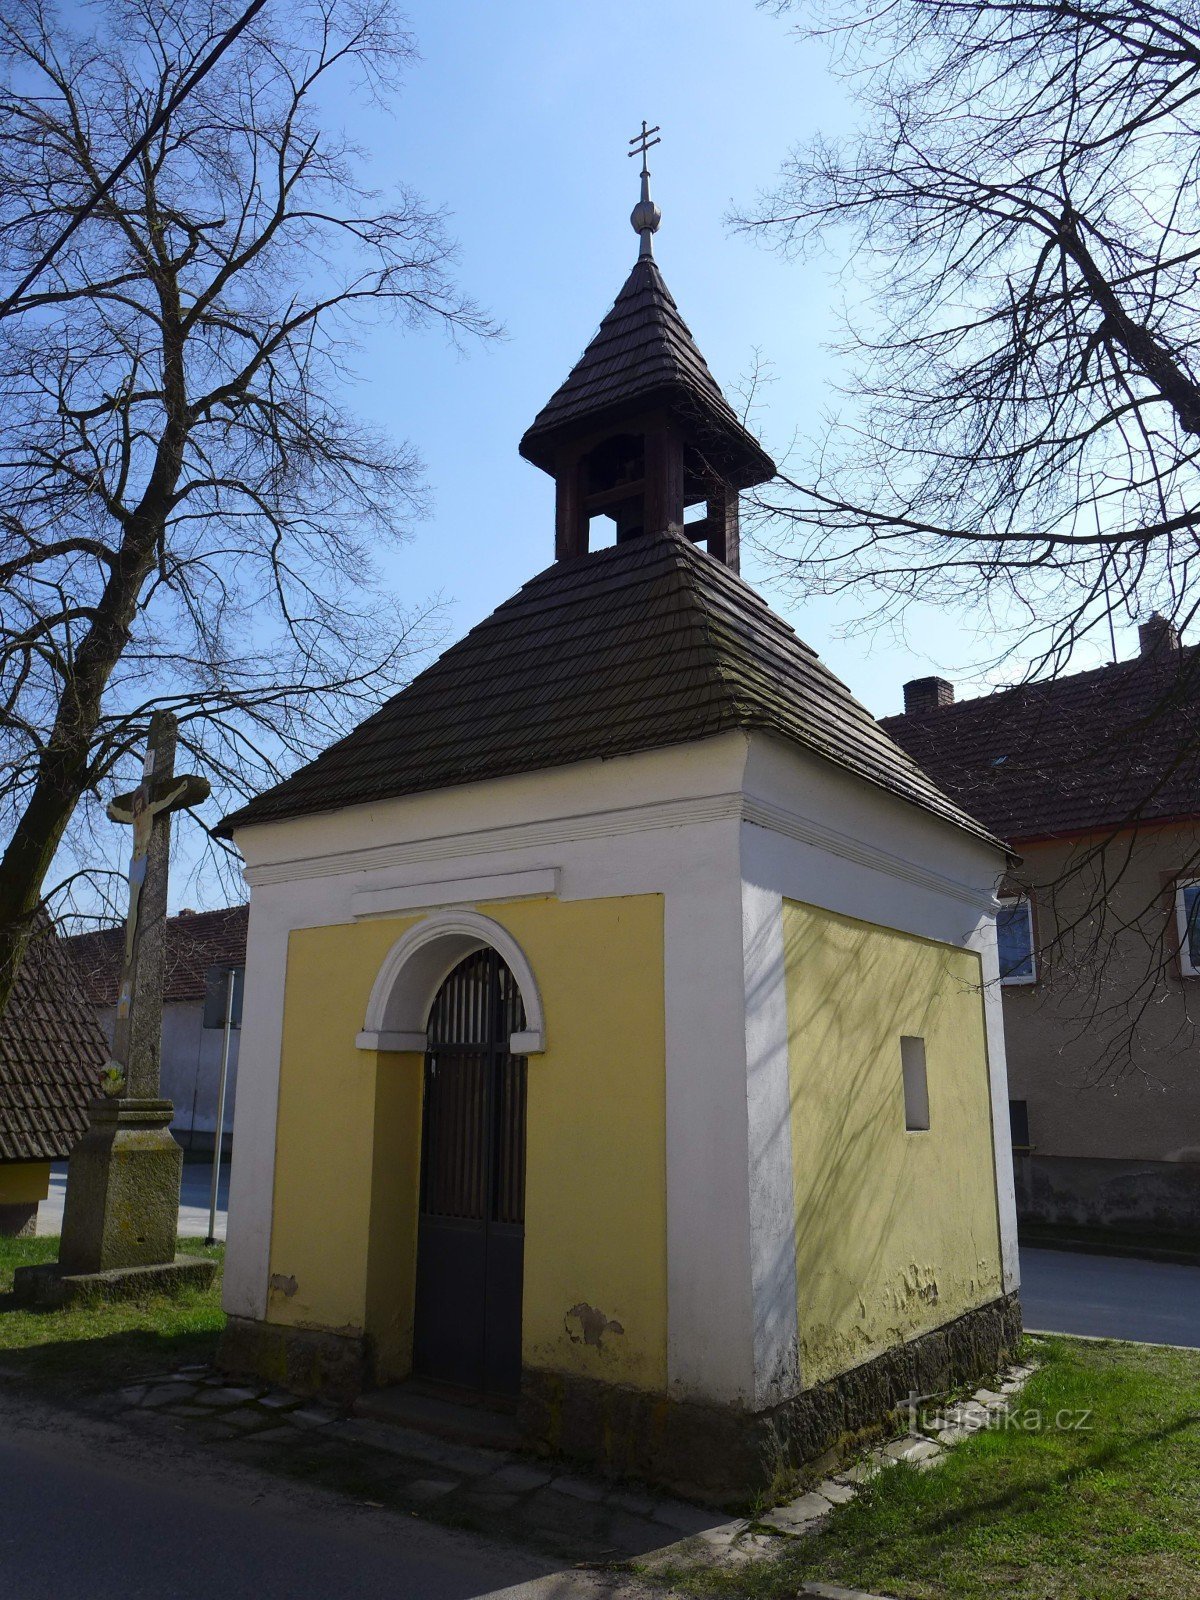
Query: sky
<point x="517" y="120"/>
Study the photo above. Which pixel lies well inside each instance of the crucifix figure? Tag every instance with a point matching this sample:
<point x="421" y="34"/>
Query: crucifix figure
<point x="645" y="216"/>
<point x="138" y="1032"/>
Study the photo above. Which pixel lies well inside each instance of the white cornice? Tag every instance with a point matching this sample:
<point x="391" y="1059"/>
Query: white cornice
<point x="763" y="814"/>
<point x="541" y="881"/>
<point x="612" y="823"/>
<point x="512" y="836"/>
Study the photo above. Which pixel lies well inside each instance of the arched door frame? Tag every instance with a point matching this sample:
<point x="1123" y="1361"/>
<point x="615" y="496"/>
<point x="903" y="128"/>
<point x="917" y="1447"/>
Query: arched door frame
<point x="417" y="965"/>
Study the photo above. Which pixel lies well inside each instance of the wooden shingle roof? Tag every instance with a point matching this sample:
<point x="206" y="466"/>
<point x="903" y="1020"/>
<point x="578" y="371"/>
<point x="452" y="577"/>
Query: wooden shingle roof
<point x="637" y="647"/>
<point x="51" y="1056"/>
<point x="1114" y="747"/>
<point x="644" y="355"/>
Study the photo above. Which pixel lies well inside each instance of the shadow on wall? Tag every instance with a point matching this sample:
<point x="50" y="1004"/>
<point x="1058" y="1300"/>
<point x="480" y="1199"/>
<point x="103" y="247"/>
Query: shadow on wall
<point x="897" y="1227"/>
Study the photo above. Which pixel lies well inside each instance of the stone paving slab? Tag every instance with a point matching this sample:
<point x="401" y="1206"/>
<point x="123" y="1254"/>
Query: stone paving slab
<point x="491" y="1490"/>
<point x="518" y="1496"/>
<point x="426" y="1489"/>
<point x="799" y="1514"/>
<point x="913" y="1450"/>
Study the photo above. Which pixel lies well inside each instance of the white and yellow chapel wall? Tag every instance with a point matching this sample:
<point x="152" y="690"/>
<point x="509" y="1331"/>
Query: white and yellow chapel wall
<point x="707" y="1149"/>
<point x="619" y="883"/>
<point x="879" y="923"/>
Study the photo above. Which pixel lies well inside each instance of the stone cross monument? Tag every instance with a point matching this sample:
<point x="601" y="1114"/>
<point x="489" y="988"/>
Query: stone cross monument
<point x="137" y="1041"/>
<point x="123" y="1177"/>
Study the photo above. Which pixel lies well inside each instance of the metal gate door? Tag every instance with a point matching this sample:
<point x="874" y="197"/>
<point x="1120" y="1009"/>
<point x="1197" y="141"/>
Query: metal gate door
<point x="471" y="1228"/>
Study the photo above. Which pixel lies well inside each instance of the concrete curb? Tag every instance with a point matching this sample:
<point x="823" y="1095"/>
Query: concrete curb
<point x="1109" y="1338"/>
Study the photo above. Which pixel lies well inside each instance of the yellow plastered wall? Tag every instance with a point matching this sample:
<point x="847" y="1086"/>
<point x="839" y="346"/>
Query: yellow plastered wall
<point x="343" y="1244"/>
<point x="896" y="1231"/>
<point x="23" y="1182"/>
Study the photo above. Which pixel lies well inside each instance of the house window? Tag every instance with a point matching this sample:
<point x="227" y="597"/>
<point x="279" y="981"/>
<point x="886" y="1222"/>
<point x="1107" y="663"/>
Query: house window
<point x="216" y="996"/>
<point x="916" y="1085"/>
<point x="1018" y="1118"/>
<point x="1014" y="941"/>
<point x="1187" y="912"/>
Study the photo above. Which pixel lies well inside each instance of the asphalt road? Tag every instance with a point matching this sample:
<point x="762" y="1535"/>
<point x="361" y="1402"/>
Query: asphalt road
<point x="93" y="1509"/>
<point x="1114" y="1297"/>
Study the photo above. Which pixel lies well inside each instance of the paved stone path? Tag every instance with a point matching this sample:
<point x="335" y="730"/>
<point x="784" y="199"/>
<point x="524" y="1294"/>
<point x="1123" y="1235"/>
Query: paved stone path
<point x="491" y="1491"/>
<point x="517" y="1498"/>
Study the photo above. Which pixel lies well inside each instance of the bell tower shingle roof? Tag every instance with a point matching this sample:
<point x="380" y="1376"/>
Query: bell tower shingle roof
<point x="643" y="355"/>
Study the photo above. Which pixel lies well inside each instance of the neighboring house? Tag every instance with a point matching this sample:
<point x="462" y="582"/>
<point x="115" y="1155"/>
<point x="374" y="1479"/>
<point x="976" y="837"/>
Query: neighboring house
<point x="51" y="1057"/>
<point x="1094" y="779"/>
<point x="203" y="947"/>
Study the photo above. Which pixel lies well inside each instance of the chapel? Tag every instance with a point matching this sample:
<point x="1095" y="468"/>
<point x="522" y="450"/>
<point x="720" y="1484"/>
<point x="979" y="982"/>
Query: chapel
<point x="622" y="1043"/>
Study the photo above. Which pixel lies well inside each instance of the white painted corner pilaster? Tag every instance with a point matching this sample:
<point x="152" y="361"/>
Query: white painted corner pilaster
<point x="1006" y="1196"/>
<point x="772" y="1201"/>
<point x="710" y="1333"/>
<point x="256" y="1111"/>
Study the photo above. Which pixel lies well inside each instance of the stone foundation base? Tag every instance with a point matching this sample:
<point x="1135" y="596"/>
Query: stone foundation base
<point x="714" y="1452"/>
<point x="122" y="1205"/>
<point x="47" y="1286"/>
<point x="304" y="1360"/>
<point x="721" y="1453"/>
<point x="19" y="1221"/>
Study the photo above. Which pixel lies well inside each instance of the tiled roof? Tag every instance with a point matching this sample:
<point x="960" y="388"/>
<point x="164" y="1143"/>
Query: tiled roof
<point x="643" y="645"/>
<point x="642" y="354"/>
<point x="1095" y="750"/>
<point x="51" y="1056"/>
<point x="196" y="941"/>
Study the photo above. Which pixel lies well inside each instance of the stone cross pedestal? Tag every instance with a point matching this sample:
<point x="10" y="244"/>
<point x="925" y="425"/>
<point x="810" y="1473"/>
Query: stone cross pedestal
<point x="123" y="1178"/>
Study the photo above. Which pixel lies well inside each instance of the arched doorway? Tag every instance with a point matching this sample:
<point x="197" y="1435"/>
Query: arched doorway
<point x="471" y="1220"/>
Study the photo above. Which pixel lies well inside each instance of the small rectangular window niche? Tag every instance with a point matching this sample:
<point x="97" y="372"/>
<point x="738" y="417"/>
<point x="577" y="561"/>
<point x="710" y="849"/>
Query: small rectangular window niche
<point x="916" y="1086"/>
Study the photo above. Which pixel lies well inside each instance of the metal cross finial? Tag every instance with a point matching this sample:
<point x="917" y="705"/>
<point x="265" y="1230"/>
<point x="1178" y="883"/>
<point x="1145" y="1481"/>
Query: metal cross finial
<point x="645" y="216"/>
<point x="644" y="143"/>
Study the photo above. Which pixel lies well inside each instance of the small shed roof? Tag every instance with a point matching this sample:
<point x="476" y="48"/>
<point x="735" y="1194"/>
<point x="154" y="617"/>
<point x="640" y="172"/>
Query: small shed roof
<point x="51" y="1056"/>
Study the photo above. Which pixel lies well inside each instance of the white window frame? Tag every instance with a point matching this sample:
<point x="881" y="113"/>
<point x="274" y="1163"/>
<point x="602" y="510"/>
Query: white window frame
<point x="1181" y="924"/>
<point x="1017" y="980"/>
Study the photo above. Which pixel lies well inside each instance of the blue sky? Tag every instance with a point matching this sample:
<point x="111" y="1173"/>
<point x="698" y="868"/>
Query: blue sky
<point x="517" y="119"/>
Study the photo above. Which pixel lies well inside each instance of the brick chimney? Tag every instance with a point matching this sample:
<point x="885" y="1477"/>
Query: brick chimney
<point x="926" y="694"/>
<point x="1158" y="634"/>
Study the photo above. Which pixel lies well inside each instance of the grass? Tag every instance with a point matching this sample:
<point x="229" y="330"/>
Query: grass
<point x="1106" y="1511"/>
<point x="89" y="1348"/>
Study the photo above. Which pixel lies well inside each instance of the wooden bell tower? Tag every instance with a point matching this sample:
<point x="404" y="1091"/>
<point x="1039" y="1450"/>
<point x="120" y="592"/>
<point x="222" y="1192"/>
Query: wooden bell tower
<point x="640" y="432"/>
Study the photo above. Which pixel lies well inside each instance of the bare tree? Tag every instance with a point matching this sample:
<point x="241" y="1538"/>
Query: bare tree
<point x="1018" y="213"/>
<point x="188" y="516"/>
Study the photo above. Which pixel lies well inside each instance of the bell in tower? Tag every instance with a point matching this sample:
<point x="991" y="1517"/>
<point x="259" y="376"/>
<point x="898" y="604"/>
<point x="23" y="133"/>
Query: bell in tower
<point x="640" y="432"/>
